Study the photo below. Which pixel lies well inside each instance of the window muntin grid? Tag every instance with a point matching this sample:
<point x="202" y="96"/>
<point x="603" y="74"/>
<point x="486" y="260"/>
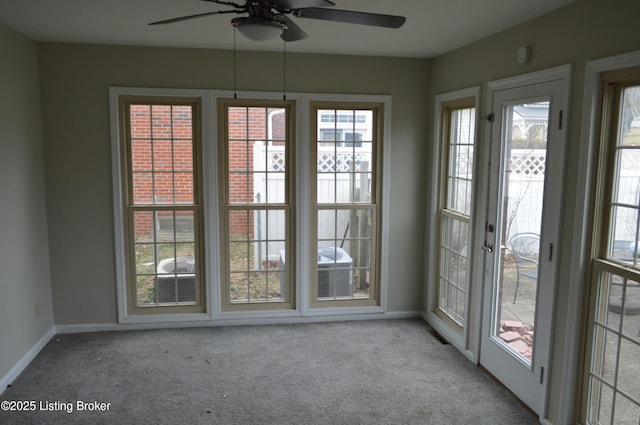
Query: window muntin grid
<point x="455" y="211"/>
<point x="256" y="205"/>
<point x="613" y="380"/>
<point x="163" y="206"/>
<point x="344" y="255"/>
<point x="614" y="388"/>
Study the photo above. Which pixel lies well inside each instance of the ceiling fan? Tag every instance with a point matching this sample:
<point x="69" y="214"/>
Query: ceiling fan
<point x="266" y="19"/>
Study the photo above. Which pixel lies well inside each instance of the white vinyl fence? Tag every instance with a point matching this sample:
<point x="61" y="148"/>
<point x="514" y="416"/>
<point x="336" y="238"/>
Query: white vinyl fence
<point x="341" y="186"/>
<point x="526" y="187"/>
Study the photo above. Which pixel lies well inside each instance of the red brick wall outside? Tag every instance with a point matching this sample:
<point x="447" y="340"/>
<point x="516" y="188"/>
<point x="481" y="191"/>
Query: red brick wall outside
<point x="246" y="126"/>
<point x="162" y="158"/>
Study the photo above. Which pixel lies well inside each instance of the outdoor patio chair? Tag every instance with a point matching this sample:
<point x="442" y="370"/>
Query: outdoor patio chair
<point x="525" y="248"/>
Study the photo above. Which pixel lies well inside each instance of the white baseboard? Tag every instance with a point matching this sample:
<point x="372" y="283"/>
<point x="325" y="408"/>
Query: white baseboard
<point x="236" y="321"/>
<point x="22" y="364"/>
<point x="449" y="335"/>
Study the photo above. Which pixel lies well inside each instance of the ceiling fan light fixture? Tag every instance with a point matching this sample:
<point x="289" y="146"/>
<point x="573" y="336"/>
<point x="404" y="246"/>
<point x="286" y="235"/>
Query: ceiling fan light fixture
<point x="259" y="29"/>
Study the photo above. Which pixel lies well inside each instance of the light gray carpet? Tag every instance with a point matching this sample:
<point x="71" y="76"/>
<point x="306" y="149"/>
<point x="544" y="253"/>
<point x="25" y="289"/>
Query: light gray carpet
<point x="372" y="372"/>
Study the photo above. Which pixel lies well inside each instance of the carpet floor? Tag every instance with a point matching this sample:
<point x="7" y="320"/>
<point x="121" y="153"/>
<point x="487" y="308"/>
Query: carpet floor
<point x="370" y="372"/>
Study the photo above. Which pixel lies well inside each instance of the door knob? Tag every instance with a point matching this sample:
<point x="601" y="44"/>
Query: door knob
<point x="488" y="247"/>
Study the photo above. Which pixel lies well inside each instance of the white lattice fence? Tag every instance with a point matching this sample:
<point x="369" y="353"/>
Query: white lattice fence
<point x="269" y="185"/>
<point x="526" y="190"/>
<point x="528" y="162"/>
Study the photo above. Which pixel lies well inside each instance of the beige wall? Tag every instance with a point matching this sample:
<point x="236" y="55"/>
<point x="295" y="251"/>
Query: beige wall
<point x="582" y="31"/>
<point x="75" y="81"/>
<point x="24" y="253"/>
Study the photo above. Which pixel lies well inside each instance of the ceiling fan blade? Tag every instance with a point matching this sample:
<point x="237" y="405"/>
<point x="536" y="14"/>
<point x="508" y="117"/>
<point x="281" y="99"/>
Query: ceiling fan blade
<point x="293" y="31"/>
<point x="351" y="17"/>
<point x="185" y="18"/>
<point x="299" y="4"/>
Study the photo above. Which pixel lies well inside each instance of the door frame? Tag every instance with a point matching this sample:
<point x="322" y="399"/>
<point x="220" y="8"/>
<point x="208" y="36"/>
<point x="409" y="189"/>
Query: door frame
<point x="562" y="73"/>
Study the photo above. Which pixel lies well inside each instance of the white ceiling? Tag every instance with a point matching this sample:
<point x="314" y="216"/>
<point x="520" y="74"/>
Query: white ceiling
<point x="432" y="27"/>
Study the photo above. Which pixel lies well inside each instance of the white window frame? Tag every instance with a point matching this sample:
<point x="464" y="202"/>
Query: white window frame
<point x="466" y="340"/>
<point x="570" y="377"/>
<point x="124" y="315"/>
<point x="605" y="146"/>
<point x="373" y="205"/>
<point x="305" y="210"/>
<point x="227" y="206"/>
<point x="214" y="312"/>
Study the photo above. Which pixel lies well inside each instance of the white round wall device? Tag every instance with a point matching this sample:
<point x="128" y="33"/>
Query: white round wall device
<point x="523" y="55"/>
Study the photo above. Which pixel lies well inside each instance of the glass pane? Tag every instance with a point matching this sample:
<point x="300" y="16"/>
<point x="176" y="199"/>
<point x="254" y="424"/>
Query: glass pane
<point x="237" y="123"/>
<point x="276" y="125"/>
<point x="143" y="226"/>
<point x="275" y="225"/>
<point x="326" y="188"/>
<point x="627" y="411"/>
<point x="453" y="267"/>
<point x="343" y="226"/>
<point x="182" y="122"/>
<point x="460" y="164"/>
<point x="145" y="290"/>
<point x="335" y="272"/>
<point x="344" y="188"/>
<point x="240" y="254"/>
<point x="163" y="185"/>
<point x="239" y="156"/>
<point x="240" y="225"/>
<point x="141" y="155"/>
<point x="145" y="258"/>
<point x="327" y="224"/>
<point x="344" y="253"/>
<point x="162" y="155"/>
<point x="624" y="242"/>
<point x="601" y="411"/>
<point x="140" y="116"/>
<point x="276" y="159"/>
<point x="257" y="256"/>
<point x="183" y="155"/>
<point x="628" y="368"/>
<point x="161" y="121"/>
<point x="273" y="185"/>
<point x="362" y="283"/>
<point x="269" y="235"/>
<point x="240" y="188"/>
<point x="523" y="179"/>
<point x="183" y="183"/>
<point x="142" y="187"/>
<point x="257" y="123"/>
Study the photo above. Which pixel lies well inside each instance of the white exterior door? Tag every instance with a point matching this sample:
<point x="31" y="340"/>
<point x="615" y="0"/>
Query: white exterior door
<point x="525" y="175"/>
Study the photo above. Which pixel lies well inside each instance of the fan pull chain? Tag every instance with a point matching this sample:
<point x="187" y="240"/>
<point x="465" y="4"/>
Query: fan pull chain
<point x="235" y="82"/>
<point x="284" y="70"/>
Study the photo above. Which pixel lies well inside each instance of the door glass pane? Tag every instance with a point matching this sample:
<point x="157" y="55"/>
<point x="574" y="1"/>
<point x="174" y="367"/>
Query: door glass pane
<point x="524" y="144"/>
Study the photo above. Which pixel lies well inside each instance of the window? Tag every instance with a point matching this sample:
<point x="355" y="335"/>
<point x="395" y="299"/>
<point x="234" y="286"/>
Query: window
<point x="213" y="219"/>
<point x="345" y="205"/>
<point x="458" y="144"/>
<point x="614" y="376"/>
<point x="256" y="142"/>
<point x="162" y="200"/>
